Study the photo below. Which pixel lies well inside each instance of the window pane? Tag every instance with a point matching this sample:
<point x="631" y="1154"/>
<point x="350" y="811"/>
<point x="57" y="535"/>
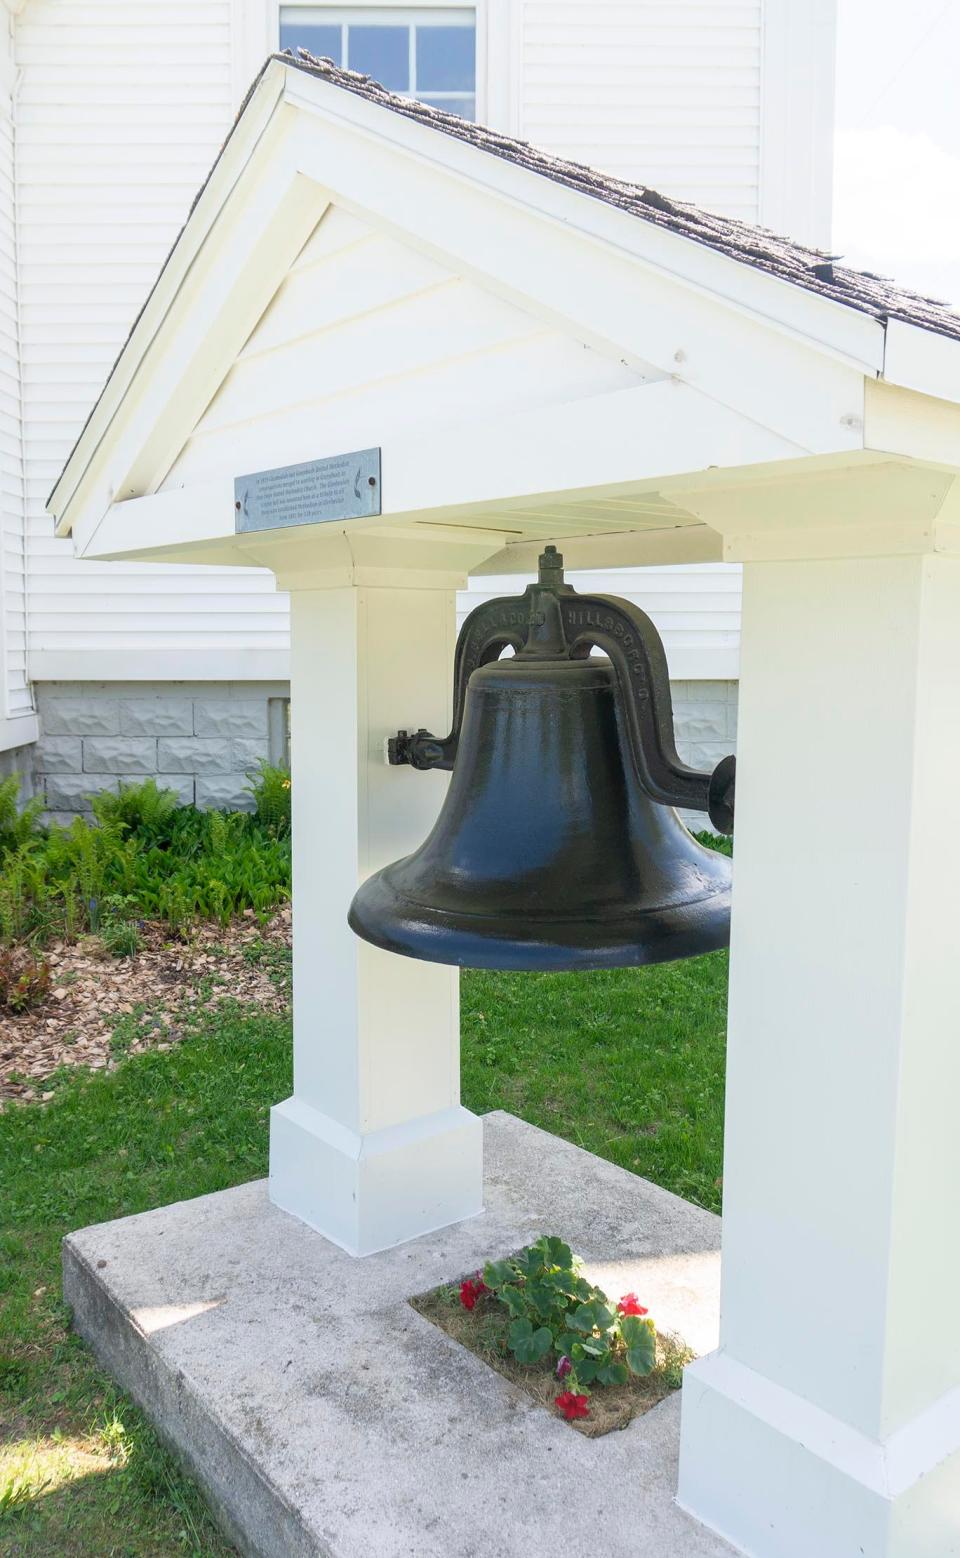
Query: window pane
<point x="322" y="41"/>
<point x="446" y="59"/>
<point x="381" y="52"/>
<point x="454" y="104"/>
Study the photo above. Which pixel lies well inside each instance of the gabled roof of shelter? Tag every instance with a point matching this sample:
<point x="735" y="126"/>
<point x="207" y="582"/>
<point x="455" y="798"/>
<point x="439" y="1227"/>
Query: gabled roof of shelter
<point x="729" y="318"/>
<point x="812" y="269"/>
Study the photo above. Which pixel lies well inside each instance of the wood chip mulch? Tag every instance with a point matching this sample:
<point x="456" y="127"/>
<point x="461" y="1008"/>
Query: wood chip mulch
<point x="100" y="1009"/>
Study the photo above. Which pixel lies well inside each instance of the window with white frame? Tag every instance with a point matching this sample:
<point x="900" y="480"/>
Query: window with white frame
<point x="430" y="54"/>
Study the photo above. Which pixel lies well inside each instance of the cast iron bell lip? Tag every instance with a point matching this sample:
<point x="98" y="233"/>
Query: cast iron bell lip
<point x="630" y="942"/>
<point x="424" y="906"/>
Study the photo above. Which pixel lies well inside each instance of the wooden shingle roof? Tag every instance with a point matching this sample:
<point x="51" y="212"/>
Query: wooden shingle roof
<point x="811" y="269"/>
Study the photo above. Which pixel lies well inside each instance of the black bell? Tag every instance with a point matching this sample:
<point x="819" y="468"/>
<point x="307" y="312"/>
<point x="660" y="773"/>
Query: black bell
<point x="557" y="845"/>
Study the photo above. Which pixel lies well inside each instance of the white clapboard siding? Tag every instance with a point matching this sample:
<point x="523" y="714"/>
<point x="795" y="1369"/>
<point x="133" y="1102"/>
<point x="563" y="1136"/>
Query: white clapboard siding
<point x="366" y="336"/>
<point x="121" y="110"/>
<point x="667" y="94"/>
<point x="16" y="702"/>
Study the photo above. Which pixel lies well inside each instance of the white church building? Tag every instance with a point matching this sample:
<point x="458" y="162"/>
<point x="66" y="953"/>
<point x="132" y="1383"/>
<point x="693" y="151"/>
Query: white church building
<point x="113" y="113"/>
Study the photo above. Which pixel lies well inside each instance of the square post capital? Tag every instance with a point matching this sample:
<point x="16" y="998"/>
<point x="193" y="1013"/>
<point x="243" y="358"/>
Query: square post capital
<point x="873" y="506"/>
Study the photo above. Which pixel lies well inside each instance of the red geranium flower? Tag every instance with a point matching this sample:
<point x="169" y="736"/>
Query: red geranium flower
<point x="471" y="1288"/>
<point x="631" y="1305"/>
<point x="572" y="1405"/>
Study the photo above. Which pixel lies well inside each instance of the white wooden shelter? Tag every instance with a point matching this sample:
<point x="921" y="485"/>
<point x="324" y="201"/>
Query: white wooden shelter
<point x="110" y="116"/>
<point x="639" y="383"/>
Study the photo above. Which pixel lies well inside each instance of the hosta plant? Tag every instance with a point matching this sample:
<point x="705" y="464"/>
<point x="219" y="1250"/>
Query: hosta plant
<point x="554" y="1313"/>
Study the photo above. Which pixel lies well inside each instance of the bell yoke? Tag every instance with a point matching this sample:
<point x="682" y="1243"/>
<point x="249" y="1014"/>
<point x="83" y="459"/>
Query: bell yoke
<point x="557" y="845"/>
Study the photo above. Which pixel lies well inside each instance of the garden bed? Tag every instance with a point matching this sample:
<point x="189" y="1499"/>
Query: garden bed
<point x="483" y="1326"/>
<point x="116" y="930"/>
<point x="98" y="1009"/>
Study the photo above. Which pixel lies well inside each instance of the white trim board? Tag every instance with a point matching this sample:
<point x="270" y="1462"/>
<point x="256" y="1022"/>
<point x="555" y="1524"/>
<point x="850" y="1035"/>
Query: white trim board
<point x="20" y="732"/>
<point x="160" y="665"/>
<point x="797" y="117"/>
<point x="621" y="449"/>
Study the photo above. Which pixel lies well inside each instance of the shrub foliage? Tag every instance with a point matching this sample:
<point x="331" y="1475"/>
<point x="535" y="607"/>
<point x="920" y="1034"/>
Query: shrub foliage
<point x="142" y="857"/>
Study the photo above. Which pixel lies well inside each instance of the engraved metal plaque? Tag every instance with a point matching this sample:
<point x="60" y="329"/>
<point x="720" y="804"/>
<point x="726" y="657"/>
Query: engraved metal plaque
<point x="343" y="486"/>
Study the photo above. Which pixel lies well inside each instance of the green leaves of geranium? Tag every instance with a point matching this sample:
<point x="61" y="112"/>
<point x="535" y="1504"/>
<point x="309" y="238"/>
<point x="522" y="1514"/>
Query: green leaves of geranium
<point x="593" y="1346"/>
<point x="497" y="1272"/>
<point x="547" y="1257"/>
<point x="529" y="1262"/>
<point x="613" y="1374"/>
<point x="542" y="1296"/>
<point x="640" y="1338"/>
<point x="597" y="1313"/>
<point x="528" y="1345"/>
<point x="553" y="1252"/>
<point x="513" y="1298"/>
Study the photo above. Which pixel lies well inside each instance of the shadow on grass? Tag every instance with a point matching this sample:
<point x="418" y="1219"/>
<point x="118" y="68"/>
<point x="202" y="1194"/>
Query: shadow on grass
<point x="131" y="1510"/>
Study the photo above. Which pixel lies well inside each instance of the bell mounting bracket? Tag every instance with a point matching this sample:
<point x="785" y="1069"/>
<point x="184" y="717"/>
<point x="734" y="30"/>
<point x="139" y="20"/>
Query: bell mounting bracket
<point x="550" y="620"/>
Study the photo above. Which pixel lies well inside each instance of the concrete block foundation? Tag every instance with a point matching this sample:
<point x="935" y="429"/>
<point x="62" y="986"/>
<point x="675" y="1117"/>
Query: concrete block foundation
<point x="203" y="739"/>
<point x="323" y="1416"/>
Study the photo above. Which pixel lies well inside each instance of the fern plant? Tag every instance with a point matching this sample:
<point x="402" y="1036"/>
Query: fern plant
<point x="18" y="825"/>
<point x="140" y="808"/>
<point x="161" y="861"/>
<point x="270" y="788"/>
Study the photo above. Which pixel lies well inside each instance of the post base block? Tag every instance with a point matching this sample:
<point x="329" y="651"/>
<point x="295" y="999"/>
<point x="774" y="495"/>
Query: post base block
<point x="780" y="1478"/>
<point x="370" y="1192"/>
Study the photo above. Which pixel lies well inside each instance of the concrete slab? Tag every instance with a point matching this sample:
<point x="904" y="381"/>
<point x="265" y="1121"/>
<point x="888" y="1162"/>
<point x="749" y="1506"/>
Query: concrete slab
<point x="323" y="1416"/>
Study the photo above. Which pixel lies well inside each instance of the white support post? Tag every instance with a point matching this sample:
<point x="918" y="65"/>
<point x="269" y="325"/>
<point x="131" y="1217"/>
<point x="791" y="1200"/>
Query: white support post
<point x="373" y="1148"/>
<point x="828" y="1423"/>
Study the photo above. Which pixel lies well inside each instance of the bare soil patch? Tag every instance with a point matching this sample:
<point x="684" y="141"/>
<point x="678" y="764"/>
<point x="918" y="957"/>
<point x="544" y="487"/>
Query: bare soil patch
<point x="100" y="1008"/>
<point x="483" y="1330"/>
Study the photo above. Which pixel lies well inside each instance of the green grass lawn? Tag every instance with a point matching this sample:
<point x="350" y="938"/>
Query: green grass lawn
<point x="628" y="1064"/>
